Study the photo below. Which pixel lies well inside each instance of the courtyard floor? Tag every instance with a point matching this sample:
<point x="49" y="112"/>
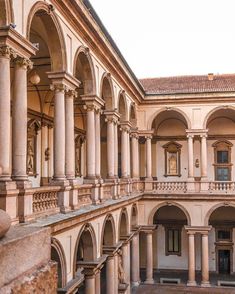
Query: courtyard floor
<point x="182" y="288"/>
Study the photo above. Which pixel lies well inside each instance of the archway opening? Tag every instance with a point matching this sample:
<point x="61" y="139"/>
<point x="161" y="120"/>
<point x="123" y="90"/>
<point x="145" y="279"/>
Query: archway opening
<point x="123" y="225"/>
<point x="44" y="32"/>
<point x="55" y="257"/>
<point x="221" y="238"/>
<point x="134" y="217"/>
<point x="220" y="125"/>
<point x="169" y="147"/>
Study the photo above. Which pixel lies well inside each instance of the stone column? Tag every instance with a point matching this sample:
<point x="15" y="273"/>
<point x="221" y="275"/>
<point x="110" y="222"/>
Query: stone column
<point x="205" y="260"/>
<point x="128" y="155"/>
<point x="124" y="156"/>
<point x="203" y="156"/>
<point x="126" y="262"/>
<point x="19" y="120"/>
<point x="110" y="147"/>
<point x="5" y="115"/>
<point x="97" y="143"/>
<point x="190" y="156"/>
<point x="148" y="157"/>
<point x="116" y="279"/>
<point x="90" y="143"/>
<point x="59" y="132"/>
<point x="116" y="149"/>
<point x="110" y="275"/>
<point x="90" y="287"/>
<point x="135" y="260"/>
<point x="149" y="258"/>
<point x="191" y="259"/>
<point x="69" y="135"/>
<point x="97" y="282"/>
<point x="135" y="156"/>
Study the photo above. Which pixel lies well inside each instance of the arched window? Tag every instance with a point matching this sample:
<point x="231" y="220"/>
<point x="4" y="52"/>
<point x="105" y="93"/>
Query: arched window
<point x="222" y="160"/>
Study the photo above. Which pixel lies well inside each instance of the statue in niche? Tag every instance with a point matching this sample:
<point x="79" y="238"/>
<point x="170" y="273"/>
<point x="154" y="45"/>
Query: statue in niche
<point x="172" y="163"/>
<point x="30" y="156"/>
<point x="121" y="273"/>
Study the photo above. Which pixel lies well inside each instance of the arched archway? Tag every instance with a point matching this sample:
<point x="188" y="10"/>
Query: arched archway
<point x="220" y="124"/>
<point x="7" y="15"/>
<point x="43" y="25"/>
<point x="169" y="144"/>
<point x="134" y="216"/>
<point x="84" y="71"/>
<point x="85" y="249"/>
<point x="108" y="236"/>
<point x="107" y="91"/>
<point x="122" y="106"/>
<point x="222" y="220"/>
<point x="132" y="115"/>
<point x="57" y="254"/>
<point x="123" y="224"/>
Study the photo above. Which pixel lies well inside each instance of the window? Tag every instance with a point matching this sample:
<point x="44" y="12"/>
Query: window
<point x="173" y="241"/>
<point x="222" y="164"/>
<point x="223" y="234"/>
<point x="172" y="159"/>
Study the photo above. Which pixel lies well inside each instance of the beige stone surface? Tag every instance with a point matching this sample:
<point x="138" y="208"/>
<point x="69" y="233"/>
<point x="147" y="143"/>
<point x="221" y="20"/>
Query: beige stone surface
<point x="22" y="249"/>
<point x="5" y="223"/>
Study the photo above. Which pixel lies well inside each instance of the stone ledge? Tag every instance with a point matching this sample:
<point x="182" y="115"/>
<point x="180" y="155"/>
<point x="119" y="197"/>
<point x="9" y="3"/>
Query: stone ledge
<point x="22" y="250"/>
<point x="42" y="280"/>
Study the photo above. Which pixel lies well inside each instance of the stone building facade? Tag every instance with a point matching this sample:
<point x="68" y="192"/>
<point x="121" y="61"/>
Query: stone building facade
<point x="121" y="176"/>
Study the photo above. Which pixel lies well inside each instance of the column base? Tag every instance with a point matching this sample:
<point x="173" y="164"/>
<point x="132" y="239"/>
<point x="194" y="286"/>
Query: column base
<point x="23" y="184"/>
<point x="205" y="284"/>
<point x="9" y="199"/>
<point x="62" y="182"/>
<point x="149" y="281"/>
<point x="191" y="283"/>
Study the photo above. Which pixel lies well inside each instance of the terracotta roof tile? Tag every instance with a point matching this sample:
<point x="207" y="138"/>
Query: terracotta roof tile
<point x="189" y="84"/>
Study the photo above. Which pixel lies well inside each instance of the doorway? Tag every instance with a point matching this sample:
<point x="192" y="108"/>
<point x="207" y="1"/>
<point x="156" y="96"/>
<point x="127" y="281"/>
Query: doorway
<point x="224" y="261"/>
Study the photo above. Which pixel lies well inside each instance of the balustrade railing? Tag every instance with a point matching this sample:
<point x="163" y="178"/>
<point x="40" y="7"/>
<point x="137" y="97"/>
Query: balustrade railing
<point x="172" y="187"/>
<point x="45" y="199"/>
<point x="218" y="186"/>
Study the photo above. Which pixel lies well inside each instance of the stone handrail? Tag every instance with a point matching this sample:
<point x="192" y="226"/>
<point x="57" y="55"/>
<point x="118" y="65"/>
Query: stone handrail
<point x="172" y="187"/>
<point x="218" y="186"/>
<point x="45" y="199"/>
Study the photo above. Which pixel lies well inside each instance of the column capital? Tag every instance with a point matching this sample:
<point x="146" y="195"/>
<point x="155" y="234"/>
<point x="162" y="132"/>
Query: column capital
<point x="93" y="99"/>
<point x="71" y="94"/>
<point x="113" y="115"/>
<point x="92" y="267"/>
<point x="58" y="87"/>
<point x="23" y="62"/>
<point x="196" y="132"/>
<point x="125" y="126"/>
<point x="204" y="230"/>
<point x="7" y="52"/>
<point x="148" y="229"/>
<point x="69" y="81"/>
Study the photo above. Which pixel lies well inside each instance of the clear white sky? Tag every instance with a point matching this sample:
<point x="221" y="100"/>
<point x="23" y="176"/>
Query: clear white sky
<point x="172" y="37"/>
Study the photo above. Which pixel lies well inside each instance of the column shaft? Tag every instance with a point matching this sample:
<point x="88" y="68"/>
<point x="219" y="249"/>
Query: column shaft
<point x="148" y="158"/>
<point x="116" y="149"/>
<point x="191" y="260"/>
<point x="59" y="133"/>
<point x="190" y="157"/>
<point x="135" y="260"/>
<point x="135" y="157"/>
<point x="128" y="155"/>
<point x="205" y="261"/>
<point x="69" y="136"/>
<point x="149" y="256"/>
<point x="124" y="157"/>
<point x="97" y="144"/>
<point x="90" y="285"/>
<point x="19" y="120"/>
<point x="97" y="283"/>
<point x="203" y="156"/>
<point x="5" y="115"/>
<point x="110" y="278"/>
<point x="90" y="143"/>
<point x="110" y="148"/>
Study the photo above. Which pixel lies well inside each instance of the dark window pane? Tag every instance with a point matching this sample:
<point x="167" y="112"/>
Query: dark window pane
<point x="222" y="174"/>
<point x="223" y="235"/>
<point x="222" y="156"/>
<point x="176" y="241"/>
<point x="170" y="241"/>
